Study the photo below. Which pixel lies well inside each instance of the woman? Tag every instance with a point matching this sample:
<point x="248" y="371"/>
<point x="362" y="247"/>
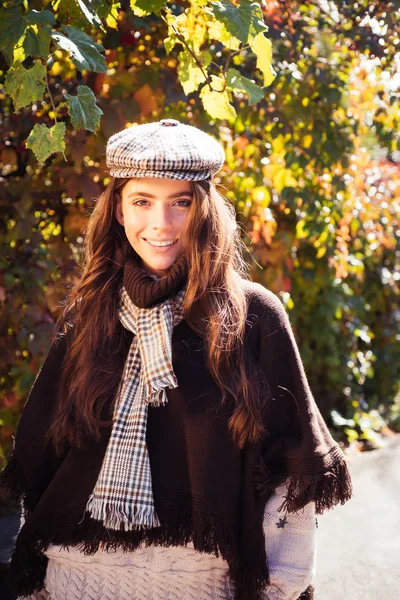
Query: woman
<point x="170" y="446"/>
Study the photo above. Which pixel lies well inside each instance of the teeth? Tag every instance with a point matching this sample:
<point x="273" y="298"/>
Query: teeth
<point x="161" y="243"/>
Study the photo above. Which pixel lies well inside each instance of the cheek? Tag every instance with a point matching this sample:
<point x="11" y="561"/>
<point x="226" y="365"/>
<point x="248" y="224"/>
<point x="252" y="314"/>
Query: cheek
<point x="181" y="220"/>
<point x="134" y="222"/>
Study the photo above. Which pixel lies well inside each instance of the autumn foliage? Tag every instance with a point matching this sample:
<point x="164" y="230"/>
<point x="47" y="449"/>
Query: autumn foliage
<point x="305" y="102"/>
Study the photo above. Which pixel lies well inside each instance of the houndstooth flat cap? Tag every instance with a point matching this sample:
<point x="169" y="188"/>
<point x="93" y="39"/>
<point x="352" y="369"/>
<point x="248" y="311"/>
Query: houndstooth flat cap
<point x="164" y="148"/>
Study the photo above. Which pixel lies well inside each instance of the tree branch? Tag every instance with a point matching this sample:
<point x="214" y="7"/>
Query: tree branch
<point x="51" y="97"/>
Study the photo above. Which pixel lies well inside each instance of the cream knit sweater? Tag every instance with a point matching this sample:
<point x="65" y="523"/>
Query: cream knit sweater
<point x="182" y="573"/>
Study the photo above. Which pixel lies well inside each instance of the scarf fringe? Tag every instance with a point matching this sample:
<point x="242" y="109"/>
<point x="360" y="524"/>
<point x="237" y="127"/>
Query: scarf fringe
<point x="29" y="563"/>
<point x="158" y="395"/>
<point x="326" y="489"/>
<point x="159" y="398"/>
<point x="117" y="517"/>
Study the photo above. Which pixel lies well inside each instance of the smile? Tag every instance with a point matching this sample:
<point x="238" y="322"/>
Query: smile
<point x="164" y="244"/>
<point x="161" y="243"/>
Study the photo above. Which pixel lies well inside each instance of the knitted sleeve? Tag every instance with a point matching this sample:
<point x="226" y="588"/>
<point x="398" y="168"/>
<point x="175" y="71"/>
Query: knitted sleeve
<point x="290" y="543"/>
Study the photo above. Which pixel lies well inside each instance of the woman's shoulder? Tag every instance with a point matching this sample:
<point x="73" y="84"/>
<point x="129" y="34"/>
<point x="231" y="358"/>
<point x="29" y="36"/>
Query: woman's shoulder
<point x="263" y="303"/>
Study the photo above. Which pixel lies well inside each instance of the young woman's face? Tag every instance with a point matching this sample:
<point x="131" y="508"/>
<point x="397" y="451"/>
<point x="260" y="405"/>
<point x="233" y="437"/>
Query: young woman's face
<point x="153" y="213"/>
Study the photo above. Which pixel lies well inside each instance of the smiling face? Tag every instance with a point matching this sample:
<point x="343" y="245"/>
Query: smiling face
<point x="153" y="213"/>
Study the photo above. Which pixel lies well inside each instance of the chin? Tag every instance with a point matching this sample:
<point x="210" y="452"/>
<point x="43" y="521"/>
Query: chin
<point x="159" y="267"/>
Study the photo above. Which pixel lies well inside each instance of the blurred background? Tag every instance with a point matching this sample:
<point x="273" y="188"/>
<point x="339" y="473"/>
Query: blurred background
<point x="304" y="98"/>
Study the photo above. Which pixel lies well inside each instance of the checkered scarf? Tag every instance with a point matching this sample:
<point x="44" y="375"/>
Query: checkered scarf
<point x="123" y="495"/>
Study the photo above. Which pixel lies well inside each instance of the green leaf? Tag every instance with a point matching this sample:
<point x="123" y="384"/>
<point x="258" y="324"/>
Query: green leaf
<point x="37" y="44"/>
<point x="84" y="52"/>
<point x="189" y="73"/>
<point x="242" y="21"/>
<point x="237" y="82"/>
<point x="89" y="11"/>
<point x="43" y="17"/>
<point x="262" y="48"/>
<point x="216" y="102"/>
<point x="12" y="28"/>
<point x="142" y="8"/>
<point x="25" y="85"/>
<point x="109" y="11"/>
<point x="85" y="114"/>
<point x="169" y="44"/>
<point x="44" y="141"/>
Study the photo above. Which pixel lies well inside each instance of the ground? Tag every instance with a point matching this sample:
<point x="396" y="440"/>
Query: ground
<point x="359" y="543"/>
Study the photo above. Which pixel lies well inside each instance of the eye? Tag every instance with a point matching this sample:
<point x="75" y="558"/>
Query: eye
<point x="184" y="203"/>
<point x="138" y="202"/>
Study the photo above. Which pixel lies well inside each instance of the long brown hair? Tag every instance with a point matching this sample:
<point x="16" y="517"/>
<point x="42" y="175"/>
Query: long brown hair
<point x="215" y="306"/>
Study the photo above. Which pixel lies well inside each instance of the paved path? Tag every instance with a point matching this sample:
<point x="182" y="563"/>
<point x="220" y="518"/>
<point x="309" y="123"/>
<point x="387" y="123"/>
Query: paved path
<point x="359" y="543"/>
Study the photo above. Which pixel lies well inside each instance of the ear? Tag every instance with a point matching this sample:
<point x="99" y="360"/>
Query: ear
<point x="118" y="209"/>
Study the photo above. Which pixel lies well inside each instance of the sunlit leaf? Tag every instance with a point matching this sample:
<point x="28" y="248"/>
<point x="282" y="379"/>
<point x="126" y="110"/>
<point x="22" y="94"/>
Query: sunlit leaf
<point x="321" y="251"/>
<point x="262" y="48"/>
<point x="44" y="141"/>
<point x="18" y="50"/>
<point x="84" y="112"/>
<point x="169" y="44"/>
<point x="218" y="31"/>
<point x="236" y="81"/>
<point x="84" y="51"/>
<point x="112" y="16"/>
<point x="242" y="21"/>
<point x="189" y="73"/>
<point x="307" y="141"/>
<point x="141" y="8"/>
<point x="301" y="229"/>
<point x="217" y="103"/>
<point x="25" y="85"/>
<point x="88" y="9"/>
<point x="284" y="178"/>
<point x="12" y="27"/>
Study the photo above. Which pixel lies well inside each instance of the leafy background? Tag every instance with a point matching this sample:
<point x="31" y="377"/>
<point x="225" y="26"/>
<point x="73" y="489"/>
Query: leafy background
<point x="304" y="98"/>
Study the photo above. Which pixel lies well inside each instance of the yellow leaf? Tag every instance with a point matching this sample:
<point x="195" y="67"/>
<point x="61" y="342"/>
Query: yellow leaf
<point x="189" y="73"/>
<point x="301" y="231"/>
<point x="307" y="141"/>
<point x="284" y="178"/>
<point x="112" y="17"/>
<point x="261" y="196"/>
<point x="269" y="171"/>
<point x="196" y="28"/>
<point x="217" y="31"/>
<point x="217" y="103"/>
<point x="262" y="48"/>
<point x="19" y="53"/>
<point x="321" y="251"/>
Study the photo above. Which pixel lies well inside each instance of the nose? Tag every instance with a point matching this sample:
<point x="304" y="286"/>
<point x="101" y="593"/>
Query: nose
<point x="161" y="217"/>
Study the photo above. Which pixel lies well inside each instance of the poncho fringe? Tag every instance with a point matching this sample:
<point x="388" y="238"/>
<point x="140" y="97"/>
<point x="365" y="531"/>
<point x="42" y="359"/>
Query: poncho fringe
<point x="29" y="562"/>
<point x="327" y="489"/>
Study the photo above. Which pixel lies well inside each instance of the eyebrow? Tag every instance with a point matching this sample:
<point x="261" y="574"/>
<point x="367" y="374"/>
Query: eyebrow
<point x="171" y="197"/>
